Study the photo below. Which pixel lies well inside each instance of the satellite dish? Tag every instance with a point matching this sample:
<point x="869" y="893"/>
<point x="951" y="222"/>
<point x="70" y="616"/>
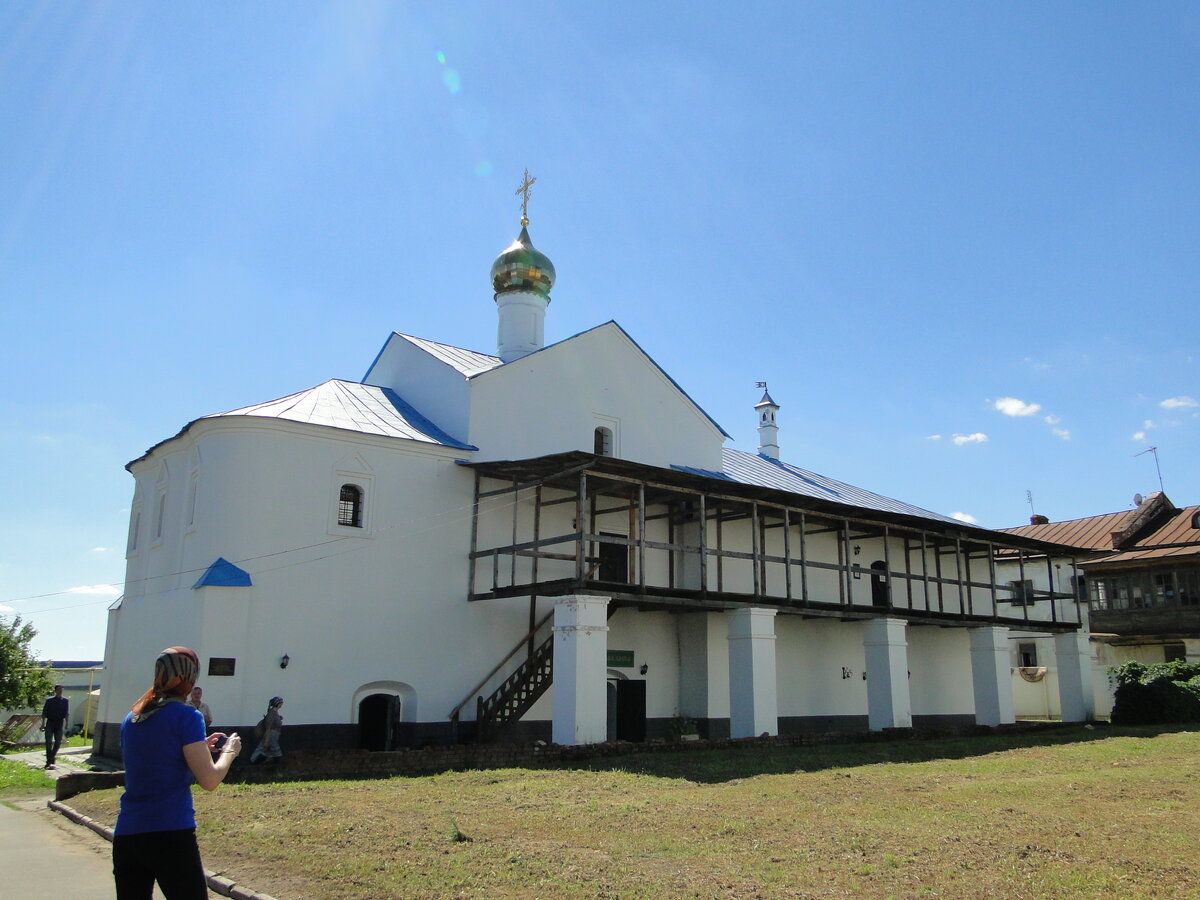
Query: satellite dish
<point x="1138" y="499"/>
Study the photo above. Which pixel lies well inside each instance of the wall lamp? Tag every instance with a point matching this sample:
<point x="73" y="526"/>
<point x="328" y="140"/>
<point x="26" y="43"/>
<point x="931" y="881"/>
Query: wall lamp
<point x="284" y="660"/>
<point x="644" y="669"/>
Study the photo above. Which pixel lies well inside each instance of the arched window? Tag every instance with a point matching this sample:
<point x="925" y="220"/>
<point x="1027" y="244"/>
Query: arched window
<point x="350" y="506"/>
<point x="603" y="442"/>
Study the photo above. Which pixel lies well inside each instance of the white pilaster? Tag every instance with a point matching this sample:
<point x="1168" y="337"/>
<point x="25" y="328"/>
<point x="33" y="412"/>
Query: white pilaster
<point x="990" y="676"/>
<point x="580" y="666"/>
<point x="889" y="703"/>
<point x="1191" y="649"/>
<point x="753" y="694"/>
<point x="521" y="327"/>
<point x="1073" y="656"/>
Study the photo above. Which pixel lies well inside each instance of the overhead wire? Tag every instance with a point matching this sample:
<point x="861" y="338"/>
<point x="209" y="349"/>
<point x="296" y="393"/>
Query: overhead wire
<point x="442" y="519"/>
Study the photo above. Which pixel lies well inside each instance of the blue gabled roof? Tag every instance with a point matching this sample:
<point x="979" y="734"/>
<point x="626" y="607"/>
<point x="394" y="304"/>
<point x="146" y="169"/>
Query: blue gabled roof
<point x="223" y="573"/>
<point x="762" y="471"/>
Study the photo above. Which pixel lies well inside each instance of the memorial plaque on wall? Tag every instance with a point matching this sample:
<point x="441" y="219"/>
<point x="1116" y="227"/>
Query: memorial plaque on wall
<point x="221" y="665"/>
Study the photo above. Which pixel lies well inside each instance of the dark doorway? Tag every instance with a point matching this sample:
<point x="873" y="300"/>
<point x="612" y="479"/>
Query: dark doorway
<point x="614" y="560"/>
<point x="631" y="710"/>
<point x="379" y="722"/>
<point x="881" y="591"/>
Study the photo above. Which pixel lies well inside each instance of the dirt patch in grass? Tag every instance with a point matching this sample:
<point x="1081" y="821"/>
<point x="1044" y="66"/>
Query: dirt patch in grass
<point x="1109" y="813"/>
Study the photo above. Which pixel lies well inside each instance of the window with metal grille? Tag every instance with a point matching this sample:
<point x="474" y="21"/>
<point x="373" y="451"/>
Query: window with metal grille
<point x="350" y="503"/>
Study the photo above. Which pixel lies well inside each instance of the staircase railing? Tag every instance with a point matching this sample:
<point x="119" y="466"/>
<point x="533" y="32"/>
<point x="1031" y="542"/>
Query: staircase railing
<point x="525" y="641"/>
<point x="518" y="692"/>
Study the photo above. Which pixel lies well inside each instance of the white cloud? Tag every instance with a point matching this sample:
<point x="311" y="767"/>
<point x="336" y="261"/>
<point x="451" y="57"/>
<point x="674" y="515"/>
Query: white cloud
<point x="1178" y="402"/>
<point x="6" y="609"/>
<point x="1051" y="419"/>
<point x="1011" y="406"/>
<point x="1148" y="424"/>
<point x="977" y="438"/>
<point x="964" y="517"/>
<point x="934" y="437"/>
<point x="101" y="549"/>
<point x="107" y="590"/>
<point x="1064" y="433"/>
<point x="1138" y="436"/>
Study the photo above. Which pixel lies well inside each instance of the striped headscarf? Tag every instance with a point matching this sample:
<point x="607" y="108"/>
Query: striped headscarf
<point x="175" y="673"/>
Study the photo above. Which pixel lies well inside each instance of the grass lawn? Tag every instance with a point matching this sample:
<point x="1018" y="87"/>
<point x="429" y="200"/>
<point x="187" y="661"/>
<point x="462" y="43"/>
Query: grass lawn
<point x="18" y="781"/>
<point x="1111" y="813"/>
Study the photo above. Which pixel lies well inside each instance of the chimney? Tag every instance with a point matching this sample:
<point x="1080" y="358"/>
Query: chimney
<point x="1038" y="520"/>
<point x="768" y="431"/>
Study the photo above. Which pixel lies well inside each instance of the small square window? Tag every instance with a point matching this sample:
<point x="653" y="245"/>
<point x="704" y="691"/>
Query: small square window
<point x="1022" y="593"/>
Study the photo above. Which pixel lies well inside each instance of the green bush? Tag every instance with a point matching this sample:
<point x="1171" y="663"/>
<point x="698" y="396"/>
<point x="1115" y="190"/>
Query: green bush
<point x="1156" y="694"/>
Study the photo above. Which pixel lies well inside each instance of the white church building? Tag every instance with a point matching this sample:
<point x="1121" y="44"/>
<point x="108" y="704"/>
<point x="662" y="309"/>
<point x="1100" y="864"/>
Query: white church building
<point x="428" y="556"/>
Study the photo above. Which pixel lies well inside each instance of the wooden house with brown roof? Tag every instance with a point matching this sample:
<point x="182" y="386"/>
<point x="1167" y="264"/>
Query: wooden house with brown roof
<point x="1137" y="573"/>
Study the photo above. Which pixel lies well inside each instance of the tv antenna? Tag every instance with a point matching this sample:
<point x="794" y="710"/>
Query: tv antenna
<point x="1029" y="500"/>
<point x="1153" y="450"/>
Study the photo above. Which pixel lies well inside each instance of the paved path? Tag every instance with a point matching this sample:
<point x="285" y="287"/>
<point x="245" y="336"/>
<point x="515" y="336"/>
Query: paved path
<point x="42" y="853"/>
<point x="69" y="759"/>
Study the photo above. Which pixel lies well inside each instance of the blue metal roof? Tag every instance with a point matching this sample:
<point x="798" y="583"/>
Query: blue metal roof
<point x="223" y="573"/>
<point x="751" y="468"/>
<point x="364" y="408"/>
<point x="468" y="362"/>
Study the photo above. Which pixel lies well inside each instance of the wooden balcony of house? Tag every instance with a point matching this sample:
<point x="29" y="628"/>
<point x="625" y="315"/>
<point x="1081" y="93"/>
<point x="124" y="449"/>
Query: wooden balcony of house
<point x="654" y="538"/>
<point x="1148" y="619"/>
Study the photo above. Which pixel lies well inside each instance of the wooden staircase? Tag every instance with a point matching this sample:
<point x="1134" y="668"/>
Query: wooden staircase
<point x="517" y="693"/>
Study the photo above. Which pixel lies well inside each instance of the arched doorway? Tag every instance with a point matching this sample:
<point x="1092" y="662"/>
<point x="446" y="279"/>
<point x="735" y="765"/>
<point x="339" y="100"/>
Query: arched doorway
<point x="379" y="722"/>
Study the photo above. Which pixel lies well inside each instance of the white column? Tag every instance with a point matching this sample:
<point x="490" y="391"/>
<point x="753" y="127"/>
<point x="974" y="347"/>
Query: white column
<point x="990" y="676"/>
<point x="580" y="667"/>
<point x="1073" y="656"/>
<point x="753" y="695"/>
<point x="1191" y="650"/>
<point x="889" y="703"/>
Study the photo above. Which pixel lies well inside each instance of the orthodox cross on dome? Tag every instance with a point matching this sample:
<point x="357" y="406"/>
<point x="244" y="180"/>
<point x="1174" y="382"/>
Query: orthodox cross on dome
<point x="523" y="190"/>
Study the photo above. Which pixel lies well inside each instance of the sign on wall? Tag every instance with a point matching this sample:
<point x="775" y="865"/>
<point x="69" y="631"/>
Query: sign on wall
<point x="620" y="659"/>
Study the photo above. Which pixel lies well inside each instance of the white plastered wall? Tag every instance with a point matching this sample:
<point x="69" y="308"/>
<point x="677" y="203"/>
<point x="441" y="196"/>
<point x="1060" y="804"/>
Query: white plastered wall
<point x="349" y="606"/>
<point x="552" y="401"/>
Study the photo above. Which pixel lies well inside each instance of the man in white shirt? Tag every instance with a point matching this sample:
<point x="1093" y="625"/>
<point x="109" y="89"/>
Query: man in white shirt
<point x="198" y="703"/>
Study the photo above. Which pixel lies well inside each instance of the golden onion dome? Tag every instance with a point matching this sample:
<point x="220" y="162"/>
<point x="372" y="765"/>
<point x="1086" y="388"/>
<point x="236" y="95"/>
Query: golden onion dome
<point x="522" y="267"/>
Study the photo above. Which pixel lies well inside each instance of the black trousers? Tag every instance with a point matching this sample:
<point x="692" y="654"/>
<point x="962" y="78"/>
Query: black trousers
<point x="54" y="736"/>
<point x="172" y="858"/>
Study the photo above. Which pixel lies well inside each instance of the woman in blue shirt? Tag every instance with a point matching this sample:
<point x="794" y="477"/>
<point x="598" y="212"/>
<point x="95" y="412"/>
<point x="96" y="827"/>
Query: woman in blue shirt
<point x="165" y="750"/>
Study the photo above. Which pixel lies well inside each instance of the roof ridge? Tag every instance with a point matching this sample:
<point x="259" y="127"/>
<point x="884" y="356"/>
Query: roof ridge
<point x="413" y="337"/>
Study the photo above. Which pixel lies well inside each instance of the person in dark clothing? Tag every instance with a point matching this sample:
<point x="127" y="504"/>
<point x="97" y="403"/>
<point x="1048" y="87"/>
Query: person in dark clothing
<point x="54" y="723"/>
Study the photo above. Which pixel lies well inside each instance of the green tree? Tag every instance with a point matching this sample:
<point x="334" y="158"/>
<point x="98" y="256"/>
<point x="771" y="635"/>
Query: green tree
<point x="22" y="681"/>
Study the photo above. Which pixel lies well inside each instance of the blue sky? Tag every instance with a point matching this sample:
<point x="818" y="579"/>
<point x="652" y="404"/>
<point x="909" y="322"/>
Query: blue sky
<point x="958" y="240"/>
